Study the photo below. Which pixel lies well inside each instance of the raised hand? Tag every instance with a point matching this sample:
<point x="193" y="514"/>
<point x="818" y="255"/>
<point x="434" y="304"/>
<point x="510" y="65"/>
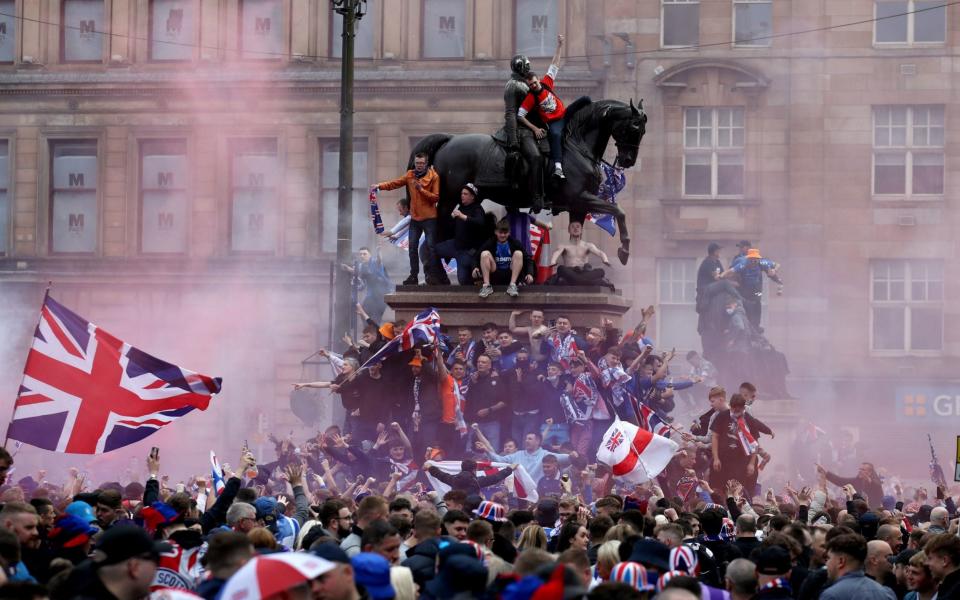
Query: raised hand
<point x="294" y="473"/>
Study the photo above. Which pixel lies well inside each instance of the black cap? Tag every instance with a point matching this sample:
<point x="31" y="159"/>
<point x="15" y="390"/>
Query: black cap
<point x="774" y="560"/>
<point x="331" y="552"/>
<point x="744" y="244"/>
<point x="123" y="542"/>
<point x="713" y="247"/>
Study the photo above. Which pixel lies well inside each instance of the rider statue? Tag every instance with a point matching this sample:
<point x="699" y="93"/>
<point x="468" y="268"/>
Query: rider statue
<point x="520" y="138"/>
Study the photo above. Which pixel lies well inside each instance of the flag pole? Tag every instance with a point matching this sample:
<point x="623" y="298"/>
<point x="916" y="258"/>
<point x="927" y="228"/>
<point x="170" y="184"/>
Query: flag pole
<point x="46" y="294"/>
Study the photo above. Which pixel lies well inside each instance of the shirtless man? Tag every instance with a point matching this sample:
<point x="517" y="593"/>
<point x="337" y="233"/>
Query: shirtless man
<point x="574" y="269"/>
<point x="536" y="331"/>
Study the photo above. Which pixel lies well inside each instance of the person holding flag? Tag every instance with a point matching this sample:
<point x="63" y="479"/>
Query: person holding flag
<point x="633" y="454"/>
<point x="734" y="445"/>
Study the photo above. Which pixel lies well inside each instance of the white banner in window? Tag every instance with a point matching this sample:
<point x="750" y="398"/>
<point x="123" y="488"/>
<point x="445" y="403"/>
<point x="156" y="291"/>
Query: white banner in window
<point x="75" y="173"/>
<point x="173" y="29"/>
<point x="8" y="26"/>
<point x="254" y="222"/>
<point x="164" y="222"/>
<point x="82" y="36"/>
<point x="164" y="172"/>
<point x="74" y="224"/>
<point x="443" y="28"/>
<point x="262" y="30"/>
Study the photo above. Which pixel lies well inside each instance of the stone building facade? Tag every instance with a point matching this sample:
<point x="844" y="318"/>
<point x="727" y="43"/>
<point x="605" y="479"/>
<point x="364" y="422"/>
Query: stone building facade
<point x="171" y="166"/>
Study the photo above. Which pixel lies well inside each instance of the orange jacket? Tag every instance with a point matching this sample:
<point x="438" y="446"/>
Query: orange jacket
<point x="423" y="202"/>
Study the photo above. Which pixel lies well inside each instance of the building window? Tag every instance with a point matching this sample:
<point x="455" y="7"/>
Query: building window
<point x="910" y="22"/>
<point x="713" y="152"/>
<point x="444" y="23"/>
<point x="536" y="27"/>
<point x="8" y="29"/>
<point x="82" y="31"/>
<point x="4" y="196"/>
<point x="254" y="197"/>
<point x="752" y="22"/>
<point x="73" y="196"/>
<point x="163" y="196"/>
<point x="907" y="305"/>
<point x="262" y="29"/>
<point x="172" y="29"/>
<point x="908" y="144"/>
<point x="677" y="299"/>
<point x="329" y="185"/>
<point x="681" y="23"/>
<point x="363" y="42"/>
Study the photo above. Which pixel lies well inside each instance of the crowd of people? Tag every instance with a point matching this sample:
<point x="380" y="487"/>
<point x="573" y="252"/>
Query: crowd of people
<point x="466" y="468"/>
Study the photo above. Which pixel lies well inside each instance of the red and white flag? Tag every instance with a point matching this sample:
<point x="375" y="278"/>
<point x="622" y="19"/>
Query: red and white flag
<point x="634" y="454"/>
<point x="519" y="483"/>
<point x="747" y="441"/>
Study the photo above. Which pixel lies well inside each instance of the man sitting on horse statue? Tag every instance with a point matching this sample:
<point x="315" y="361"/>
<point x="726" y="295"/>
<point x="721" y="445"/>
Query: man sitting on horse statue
<point x="549" y="108"/>
<point x="514" y="93"/>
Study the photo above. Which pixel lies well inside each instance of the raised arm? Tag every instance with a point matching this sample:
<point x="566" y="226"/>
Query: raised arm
<point x="512" y="323"/>
<point x="556" y="55"/>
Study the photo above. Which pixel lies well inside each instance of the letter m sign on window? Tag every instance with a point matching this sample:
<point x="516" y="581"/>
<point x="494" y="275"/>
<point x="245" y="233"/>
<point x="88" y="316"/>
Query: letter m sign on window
<point x="448" y="24"/>
<point x="538" y="23"/>
<point x="262" y="25"/>
<point x="75" y="180"/>
<point x="88" y="26"/>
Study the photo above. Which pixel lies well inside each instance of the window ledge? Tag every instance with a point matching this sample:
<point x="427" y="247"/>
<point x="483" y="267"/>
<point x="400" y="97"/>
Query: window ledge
<point x="709" y="201"/>
<point x="906" y="354"/>
<point x="897" y="201"/>
<point x="909" y="45"/>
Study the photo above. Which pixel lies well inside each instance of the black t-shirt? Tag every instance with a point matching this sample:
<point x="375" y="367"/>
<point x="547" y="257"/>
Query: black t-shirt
<point x="485" y="392"/>
<point x="726" y="426"/>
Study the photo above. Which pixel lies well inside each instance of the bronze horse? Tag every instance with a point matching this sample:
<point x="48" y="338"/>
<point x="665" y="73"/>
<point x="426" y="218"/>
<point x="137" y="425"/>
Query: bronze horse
<point x="479" y="159"/>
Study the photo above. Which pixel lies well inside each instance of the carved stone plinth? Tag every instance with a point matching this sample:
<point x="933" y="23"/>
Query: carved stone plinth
<point x="459" y="306"/>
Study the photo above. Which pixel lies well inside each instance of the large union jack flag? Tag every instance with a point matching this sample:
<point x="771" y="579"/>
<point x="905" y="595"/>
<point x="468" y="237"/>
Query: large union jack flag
<point x="86" y="392"/>
<point x="424" y="329"/>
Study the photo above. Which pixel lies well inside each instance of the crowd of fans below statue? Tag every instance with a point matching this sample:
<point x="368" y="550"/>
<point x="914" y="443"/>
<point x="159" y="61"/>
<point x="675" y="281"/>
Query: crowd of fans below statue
<point x="467" y="469"/>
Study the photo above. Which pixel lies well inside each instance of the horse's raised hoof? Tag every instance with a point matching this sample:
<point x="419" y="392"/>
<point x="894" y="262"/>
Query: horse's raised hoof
<point x="624" y="255"/>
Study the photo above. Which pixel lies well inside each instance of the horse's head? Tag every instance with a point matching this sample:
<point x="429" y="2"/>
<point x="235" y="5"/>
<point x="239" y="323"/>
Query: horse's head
<point x="627" y="131"/>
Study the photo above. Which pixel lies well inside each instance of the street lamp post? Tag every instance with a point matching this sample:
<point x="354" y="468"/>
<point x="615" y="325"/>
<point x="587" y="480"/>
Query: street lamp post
<point x="343" y="314"/>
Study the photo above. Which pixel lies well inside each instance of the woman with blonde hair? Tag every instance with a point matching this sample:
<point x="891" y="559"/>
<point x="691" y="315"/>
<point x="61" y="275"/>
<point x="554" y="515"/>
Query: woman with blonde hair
<point x="532" y="537"/>
<point x="608" y="555"/>
<point x="401" y="578"/>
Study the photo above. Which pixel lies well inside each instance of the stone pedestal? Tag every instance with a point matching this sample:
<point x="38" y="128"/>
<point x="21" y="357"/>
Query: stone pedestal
<point x="460" y="306"/>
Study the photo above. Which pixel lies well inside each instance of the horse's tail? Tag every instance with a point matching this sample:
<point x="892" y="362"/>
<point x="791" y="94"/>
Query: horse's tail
<point x="429" y="145"/>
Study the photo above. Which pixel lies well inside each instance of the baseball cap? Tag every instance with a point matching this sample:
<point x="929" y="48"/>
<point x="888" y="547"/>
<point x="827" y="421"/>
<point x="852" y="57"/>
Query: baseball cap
<point x="774" y="560"/>
<point x="70" y="531"/>
<point x="744" y="244"/>
<point x="81" y="509"/>
<point x="372" y="571"/>
<point x="331" y="552"/>
<point x="123" y="542"/>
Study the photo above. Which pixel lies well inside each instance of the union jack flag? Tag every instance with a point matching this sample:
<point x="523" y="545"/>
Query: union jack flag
<point x="651" y="421"/>
<point x="422" y="330"/>
<point x="216" y="474"/>
<point x="86" y="392"/>
<point x="615" y="440"/>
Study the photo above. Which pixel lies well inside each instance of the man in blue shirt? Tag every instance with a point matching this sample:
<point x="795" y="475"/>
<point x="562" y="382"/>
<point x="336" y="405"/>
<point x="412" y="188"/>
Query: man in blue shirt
<point x="530" y="458"/>
<point x="751" y="270"/>
<point x="503" y="261"/>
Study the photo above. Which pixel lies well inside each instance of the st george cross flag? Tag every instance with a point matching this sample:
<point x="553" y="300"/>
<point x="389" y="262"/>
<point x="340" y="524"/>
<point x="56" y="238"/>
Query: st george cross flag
<point x="423" y="329"/>
<point x="634" y="454"/>
<point x="519" y="483"/>
<point x="87" y="392"/>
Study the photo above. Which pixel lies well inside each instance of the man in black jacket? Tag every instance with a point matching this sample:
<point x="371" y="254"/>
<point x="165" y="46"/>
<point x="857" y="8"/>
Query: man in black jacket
<point x="467" y="479"/>
<point x="469" y="233"/>
<point x="503" y="261"/>
<point x="943" y="560"/>
<point x="486" y="401"/>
